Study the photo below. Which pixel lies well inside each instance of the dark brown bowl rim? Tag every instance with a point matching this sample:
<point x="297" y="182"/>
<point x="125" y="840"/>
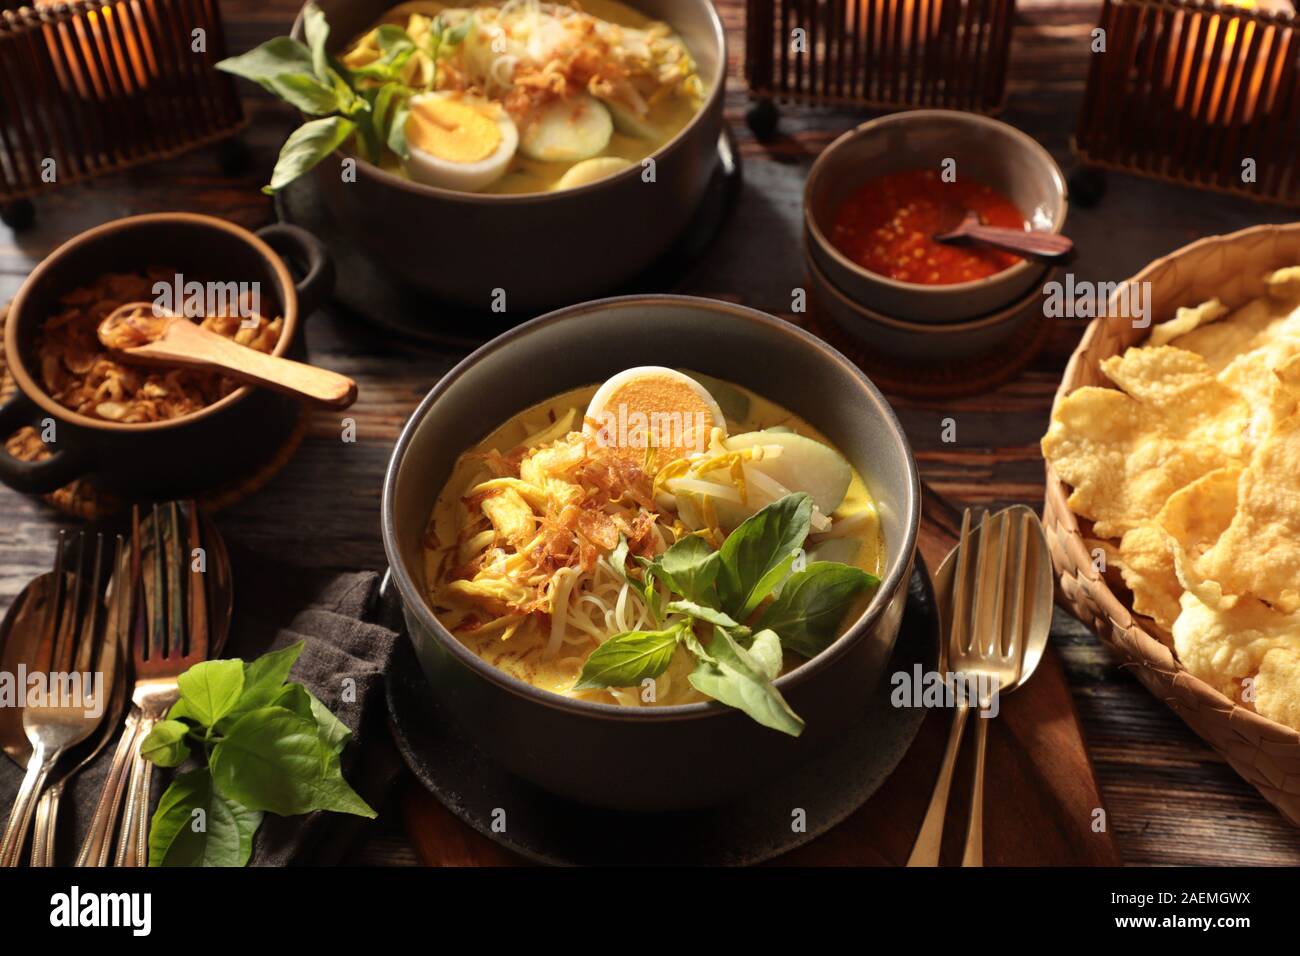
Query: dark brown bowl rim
<point x="412" y="596"/>
<point x="1026" y="141"/>
<point x="16" y="361"/>
<point x="988" y="320"/>
<point x="420" y="189"/>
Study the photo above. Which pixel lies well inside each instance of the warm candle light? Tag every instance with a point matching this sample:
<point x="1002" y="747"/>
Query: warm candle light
<point x="1209" y="85"/>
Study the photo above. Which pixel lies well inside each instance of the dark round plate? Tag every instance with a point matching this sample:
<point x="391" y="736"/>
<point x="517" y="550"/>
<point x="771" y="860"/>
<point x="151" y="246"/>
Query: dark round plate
<point x="550" y="829"/>
<point x="365" y="291"/>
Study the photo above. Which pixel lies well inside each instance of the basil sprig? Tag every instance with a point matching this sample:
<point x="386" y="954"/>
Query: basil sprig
<point x="368" y="105"/>
<point x="264" y="745"/>
<point x="720" y="591"/>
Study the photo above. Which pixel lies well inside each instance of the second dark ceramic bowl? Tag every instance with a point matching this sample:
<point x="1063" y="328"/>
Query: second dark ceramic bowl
<point x="539" y="250"/>
<point x="662" y="758"/>
<point x="984" y="149"/>
<point x="181" y="456"/>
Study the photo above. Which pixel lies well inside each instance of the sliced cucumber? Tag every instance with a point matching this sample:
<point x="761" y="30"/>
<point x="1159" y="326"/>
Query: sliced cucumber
<point x="567" y="130"/>
<point x="803" y="465"/>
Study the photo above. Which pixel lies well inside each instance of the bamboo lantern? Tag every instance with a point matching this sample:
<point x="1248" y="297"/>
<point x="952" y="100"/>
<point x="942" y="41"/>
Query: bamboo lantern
<point x="1202" y="94"/>
<point x="94" y="87"/>
<point x="885" y="54"/>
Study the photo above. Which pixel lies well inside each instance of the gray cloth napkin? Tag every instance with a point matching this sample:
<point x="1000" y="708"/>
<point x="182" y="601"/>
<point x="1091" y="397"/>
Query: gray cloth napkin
<point x="276" y="605"/>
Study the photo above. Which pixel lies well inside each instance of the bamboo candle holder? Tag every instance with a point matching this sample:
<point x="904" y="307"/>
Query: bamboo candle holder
<point x="888" y="54"/>
<point x="1202" y="94"/>
<point x="92" y="87"/>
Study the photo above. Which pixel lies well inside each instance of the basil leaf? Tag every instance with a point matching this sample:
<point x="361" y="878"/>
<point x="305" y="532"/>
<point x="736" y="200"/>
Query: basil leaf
<point x="308" y="145"/>
<point x="277" y="57"/>
<point x="305" y="93"/>
<point x="397" y="129"/>
<point x="739" y="679"/>
<point x="222" y="835"/>
<point x="334" y="734"/>
<point x="766" y="650"/>
<point x="264" y="677"/>
<point x="690" y="567"/>
<point x="627" y="659"/>
<point x="165" y="745"/>
<point x="317" y="31"/>
<point x="273" y="759"/>
<point x="694" y="646"/>
<point x="706" y="614"/>
<point x="212" y="689"/>
<point x="812" y="604"/>
<point x="756" y="556"/>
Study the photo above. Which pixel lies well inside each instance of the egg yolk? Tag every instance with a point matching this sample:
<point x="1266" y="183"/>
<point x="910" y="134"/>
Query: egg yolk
<point x="679" y="419"/>
<point x="451" y="130"/>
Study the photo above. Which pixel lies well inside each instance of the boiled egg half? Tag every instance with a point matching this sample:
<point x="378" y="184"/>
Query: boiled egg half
<point x="653" y="406"/>
<point x="458" y="142"/>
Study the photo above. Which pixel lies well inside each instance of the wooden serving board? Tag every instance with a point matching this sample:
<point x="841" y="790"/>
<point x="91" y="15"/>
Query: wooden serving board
<point x="1042" y="804"/>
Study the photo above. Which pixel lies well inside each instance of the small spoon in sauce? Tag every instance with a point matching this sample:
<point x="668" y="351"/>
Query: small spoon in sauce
<point x="1032" y="244"/>
<point x="136" y="334"/>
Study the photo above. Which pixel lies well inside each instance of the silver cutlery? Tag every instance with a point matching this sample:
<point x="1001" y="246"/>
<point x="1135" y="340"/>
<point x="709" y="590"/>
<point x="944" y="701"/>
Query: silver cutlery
<point x="996" y="626"/>
<point x="64" y="712"/>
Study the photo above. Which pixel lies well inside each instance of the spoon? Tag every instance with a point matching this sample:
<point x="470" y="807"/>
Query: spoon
<point x="1032" y="244"/>
<point x="19" y="634"/>
<point x="135" y="333"/>
<point x="1029" y="565"/>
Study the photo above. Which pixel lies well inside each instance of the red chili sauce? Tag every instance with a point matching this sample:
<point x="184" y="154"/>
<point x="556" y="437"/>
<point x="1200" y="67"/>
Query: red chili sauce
<point x="886" y="226"/>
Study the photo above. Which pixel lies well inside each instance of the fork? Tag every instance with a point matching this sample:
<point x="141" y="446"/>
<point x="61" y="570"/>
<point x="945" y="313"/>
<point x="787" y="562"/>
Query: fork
<point x="169" y="636"/>
<point x="929" y="841"/>
<point x="113" y="666"/>
<point x="70" y="632"/>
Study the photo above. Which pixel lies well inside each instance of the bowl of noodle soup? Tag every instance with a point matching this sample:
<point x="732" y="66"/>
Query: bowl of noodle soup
<point x="596" y="747"/>
<point x="496" y="247"/>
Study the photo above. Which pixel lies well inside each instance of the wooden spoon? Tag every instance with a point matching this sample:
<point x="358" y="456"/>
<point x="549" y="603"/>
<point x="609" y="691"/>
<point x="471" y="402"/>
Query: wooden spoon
<point x="175" y="341"/>
<point x="1032" y="244"/>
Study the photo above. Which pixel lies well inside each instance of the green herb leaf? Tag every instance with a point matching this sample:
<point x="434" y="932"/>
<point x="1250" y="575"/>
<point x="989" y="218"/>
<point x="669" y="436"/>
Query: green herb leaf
<point x="756" y="556"/>
<point x="397" y="129"/>
<point x="765" y="648"/>
<point x="812" y="604"/>
<point x="220" y="835"/>
<point x="277" y="57"/>
<point x="308" y="145"/>
<point x="627" y="659"/>
<point x="707" y="614"/>
<point x="334" y="734"/>
<point x="690" y="568"/>
<point x="264" y="677"/>
<point x="740" y="679"/>
<point x="307" y="93"/>
<point x="274" y="759"/>
<point x="212" y="689"/>
<point x="165" y="745"/>
<point x="317" y="31"/>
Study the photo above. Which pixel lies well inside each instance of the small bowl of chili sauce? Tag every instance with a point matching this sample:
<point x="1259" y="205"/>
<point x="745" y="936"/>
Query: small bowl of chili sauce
<point x="877" y="196"/>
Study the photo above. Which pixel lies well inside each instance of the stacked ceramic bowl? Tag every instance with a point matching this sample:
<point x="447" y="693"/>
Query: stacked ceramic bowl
<point x="918" y="322"/>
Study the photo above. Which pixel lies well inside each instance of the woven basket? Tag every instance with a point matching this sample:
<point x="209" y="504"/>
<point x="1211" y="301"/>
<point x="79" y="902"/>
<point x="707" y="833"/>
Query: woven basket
<point x="1232" y="267"/>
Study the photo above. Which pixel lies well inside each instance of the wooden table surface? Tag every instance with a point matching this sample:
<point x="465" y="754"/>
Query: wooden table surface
<point x="1171" y="800"/>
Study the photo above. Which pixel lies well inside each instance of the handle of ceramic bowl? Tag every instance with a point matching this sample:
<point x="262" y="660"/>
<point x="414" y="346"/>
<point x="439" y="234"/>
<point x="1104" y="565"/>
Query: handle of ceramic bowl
<point x="299" y="246"/>
<point x="36" y="477"/>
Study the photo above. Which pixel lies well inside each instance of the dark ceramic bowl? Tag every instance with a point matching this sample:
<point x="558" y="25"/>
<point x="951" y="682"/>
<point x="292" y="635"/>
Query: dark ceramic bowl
<point x="184" y="455"/>
<point x="668" y="757"/>
<point x="926" y="341"/>
<point x="984" y="149"/>
<point x="542" y="250"/>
